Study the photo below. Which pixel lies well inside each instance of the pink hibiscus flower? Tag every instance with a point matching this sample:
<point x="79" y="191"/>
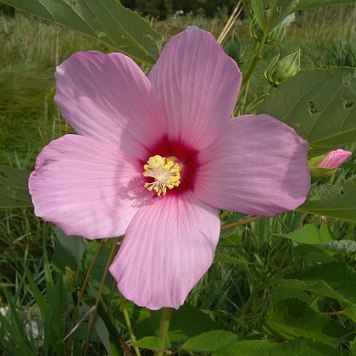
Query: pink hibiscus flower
<point x="155" y="159"/>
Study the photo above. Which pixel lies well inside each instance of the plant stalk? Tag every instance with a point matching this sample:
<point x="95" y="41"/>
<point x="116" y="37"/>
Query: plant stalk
<point x="163" y="329"/>
<point x="130" y="329"/>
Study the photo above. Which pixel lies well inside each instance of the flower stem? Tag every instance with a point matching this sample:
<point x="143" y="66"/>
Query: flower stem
<point x="256" y="58"/>
<point x="130" y="329"/>
<point x="164" y="327"/>
<point x="93" y="316"/>
<point x="241" y="222"/>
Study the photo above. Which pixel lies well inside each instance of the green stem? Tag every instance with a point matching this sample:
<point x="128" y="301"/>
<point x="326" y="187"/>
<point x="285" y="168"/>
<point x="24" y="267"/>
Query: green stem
<point x="130" y="329"/>
<point x="256" y="58"/>
<point x="163" y="329"/>
<point x="244" y="221"/>
<point x="98" y="295"/>
<point x="247" y="77"/>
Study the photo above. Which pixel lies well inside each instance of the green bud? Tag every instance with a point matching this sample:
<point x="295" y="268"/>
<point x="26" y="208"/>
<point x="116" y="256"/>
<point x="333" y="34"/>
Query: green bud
<point x="232" y="47"/>
<point x="280" y="70"/>
<point x="274" y="37"/>
<point x="70" y="278"/>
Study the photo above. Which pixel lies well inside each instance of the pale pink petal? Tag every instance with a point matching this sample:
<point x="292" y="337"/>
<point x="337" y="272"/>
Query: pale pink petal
<point x="109" y="98"/>
<point x="167" y="248"/>
<point x="257" y="166"/>
<point x="198" y="85"/>
<point x="85" y="187"/>
<point x="334" y="159"/>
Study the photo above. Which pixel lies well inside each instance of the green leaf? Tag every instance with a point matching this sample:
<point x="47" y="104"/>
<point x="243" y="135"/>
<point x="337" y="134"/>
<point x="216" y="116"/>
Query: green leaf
<point x="334" y="204"/>
<point x="299" y="346"/>
<point x="258" y="8"/>
<point x="347" y="247"/>
<point x="189" y="321"/>
<point x="287" y="289"/>
<point x="106" y="20"/>
<point x="334" y="280"/>
<point x="209" y="341"/>
<point x="14" y="188"/>
<point x="319" y="104"/>
<point x="309" y="234"/>
<point x="150" y="343"/>
<point x="312" y="4"/>
<point x="227" y="259"/>
<point x="294" y="318"/>
<point x="69" y="251"/>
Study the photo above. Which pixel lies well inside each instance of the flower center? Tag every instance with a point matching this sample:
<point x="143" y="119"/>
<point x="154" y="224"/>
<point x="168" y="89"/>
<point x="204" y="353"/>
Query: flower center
<point x="165" y="171"/>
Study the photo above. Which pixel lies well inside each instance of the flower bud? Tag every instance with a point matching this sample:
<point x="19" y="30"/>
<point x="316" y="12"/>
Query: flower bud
<point x="287" y="67"/>
<point x="334" y="159"/>
<point x="326" y="165"/>
<point x="232" y="47"/>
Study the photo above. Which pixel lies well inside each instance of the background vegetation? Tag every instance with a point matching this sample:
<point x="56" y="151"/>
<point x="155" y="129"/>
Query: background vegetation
<point x="250" y="294"/>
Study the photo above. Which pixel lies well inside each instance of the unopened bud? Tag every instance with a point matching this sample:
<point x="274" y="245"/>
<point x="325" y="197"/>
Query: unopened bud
<point x="326" y="165"/>
<point x="334" y="159"/>
<point x="280" y="70"/>
<point x="232" y="47"/>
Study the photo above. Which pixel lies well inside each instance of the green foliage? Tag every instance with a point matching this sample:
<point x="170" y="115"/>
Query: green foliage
<point x="209" y="341"/>
<point x="333" y="280"/>
<point x="319" y="105"/>
<point x="293" y="318"/>
<point x="310" y="234"/>
<point x="107" y="21"/>
<point x="340" y="204"/>
<point x="298" y="346"/>
<point x="161" y="8"/>
<point x="310" y="4"/>
<point x="14" y="188"/>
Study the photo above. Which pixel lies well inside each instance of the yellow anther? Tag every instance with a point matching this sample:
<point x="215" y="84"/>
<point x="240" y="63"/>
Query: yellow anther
<point x="165" y="171"/>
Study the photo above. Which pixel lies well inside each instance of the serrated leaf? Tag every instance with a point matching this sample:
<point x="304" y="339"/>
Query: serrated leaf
<point x="227" y="259"/>
<point x="209" y="341"/>
<point x="309" y="234"/>
<point x="296" y="347"/>
<point x="334" y="280"/>
<point x="287" y="289"/>
<point x="14" y="188"/>
<point x="294" y="318"/>
<point x="149" y="343"/>
<point x="312" y="4"/>
<point x="319" y="104"/>
<point x="334" y="204"/>
<point x="347" y="247"/>
<point x="106" y="20"/>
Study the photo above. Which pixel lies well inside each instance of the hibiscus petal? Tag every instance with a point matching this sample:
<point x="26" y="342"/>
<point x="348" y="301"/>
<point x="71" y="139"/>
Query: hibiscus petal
<point x="108" y="97"/>
<point x="257" y="166"/>
<point x="198" y="85"/>
<point x="167" y="248"/>
<point x="85" y="187"/>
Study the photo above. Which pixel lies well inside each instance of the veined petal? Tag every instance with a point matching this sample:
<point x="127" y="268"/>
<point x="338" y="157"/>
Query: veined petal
<point x="257" y="166"/>
<point x="197" y="84"/>
<point x="167" y="248"/>
<point x="108" y="97"/>
<point x="86" y="187"/>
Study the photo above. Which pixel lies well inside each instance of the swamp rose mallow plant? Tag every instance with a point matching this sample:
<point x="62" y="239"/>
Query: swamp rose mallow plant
<point x="157" y="156"/>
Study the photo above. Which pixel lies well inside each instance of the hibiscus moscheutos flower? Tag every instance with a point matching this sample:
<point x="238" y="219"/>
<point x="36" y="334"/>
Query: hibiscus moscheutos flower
<point x="155" y="159"/>
<point x="334" y="159"/>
